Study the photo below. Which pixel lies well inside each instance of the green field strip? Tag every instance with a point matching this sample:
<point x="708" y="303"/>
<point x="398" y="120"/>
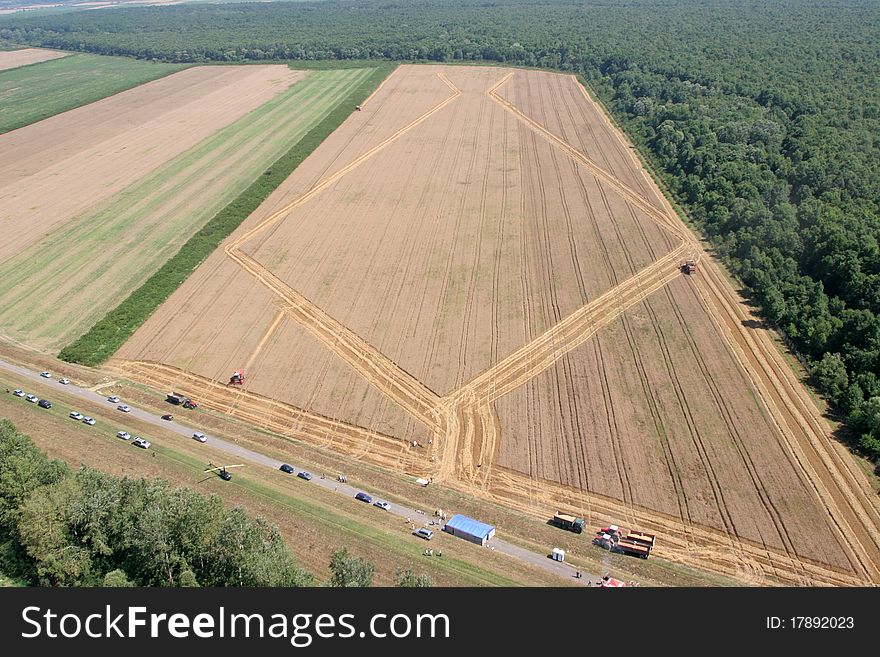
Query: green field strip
<point x="37" y="91"/>
<point x="105" y="337"/>
<point x="51" y="292"/>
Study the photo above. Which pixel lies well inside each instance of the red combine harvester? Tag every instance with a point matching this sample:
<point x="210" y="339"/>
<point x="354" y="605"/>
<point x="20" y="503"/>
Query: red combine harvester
<point x="688" y="266"/>
<point x="609" y="582"/>
<point x="237" y="378"/>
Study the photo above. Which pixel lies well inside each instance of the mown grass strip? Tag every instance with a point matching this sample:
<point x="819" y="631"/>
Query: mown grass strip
<point x="109" y="333"/>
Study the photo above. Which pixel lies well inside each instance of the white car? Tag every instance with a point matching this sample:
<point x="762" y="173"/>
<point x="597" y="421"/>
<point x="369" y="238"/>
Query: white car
<point x="124" y="435"/>
<point x="76" y="416"/>
<point x="123" y="408"/>
<point x="32" y="398"/>
<point x="89" y="420"/>
<point x="46" y="375"/>
<point x="202" y="438"/>
<point x="18" y="393"/>
<point x="382" y="505"/>
<point x="140" y="442"/>
<point x="113" y="400"/>
<point x="64" y="381"/>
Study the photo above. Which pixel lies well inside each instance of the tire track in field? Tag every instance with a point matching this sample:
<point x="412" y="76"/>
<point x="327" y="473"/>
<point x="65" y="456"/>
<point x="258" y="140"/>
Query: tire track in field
<point x="374" y="366"/>
<point x="766" y="371"/>
<point x="667" y="220"/>
<point x="465" y="416"/>
<point x="648" y="393"/>
<point x="681" y="394"/>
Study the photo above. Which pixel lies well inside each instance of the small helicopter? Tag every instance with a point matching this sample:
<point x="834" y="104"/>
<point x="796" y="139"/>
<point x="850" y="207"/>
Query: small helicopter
<point x="223" y="470"/>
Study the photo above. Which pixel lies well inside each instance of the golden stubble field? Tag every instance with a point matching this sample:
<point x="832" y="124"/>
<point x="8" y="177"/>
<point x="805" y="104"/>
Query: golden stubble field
<point x="473" y="279"/>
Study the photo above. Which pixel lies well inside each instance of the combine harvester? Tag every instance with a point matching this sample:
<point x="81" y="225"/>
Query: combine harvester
<point x="237" y="378"/>
<point x="637" y="544"/>
<point x="688" y="266"/>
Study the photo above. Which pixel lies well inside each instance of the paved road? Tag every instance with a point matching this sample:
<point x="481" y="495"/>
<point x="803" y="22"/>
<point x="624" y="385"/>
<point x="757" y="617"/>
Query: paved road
<point x="540" y="560"/>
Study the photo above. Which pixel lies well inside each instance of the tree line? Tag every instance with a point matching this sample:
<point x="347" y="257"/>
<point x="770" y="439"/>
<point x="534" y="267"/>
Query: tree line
<point x="762" y="119"/>
<point x="63" y="527"/>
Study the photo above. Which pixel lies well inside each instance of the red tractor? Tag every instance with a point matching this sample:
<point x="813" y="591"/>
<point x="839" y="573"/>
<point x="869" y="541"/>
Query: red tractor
<point x="688" y="266"/>
<point x="237" y="378"/>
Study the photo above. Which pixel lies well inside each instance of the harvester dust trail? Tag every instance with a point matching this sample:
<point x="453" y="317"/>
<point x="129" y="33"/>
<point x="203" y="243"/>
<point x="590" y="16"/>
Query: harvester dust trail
<point x="464" y="429"/>
<point x="265" y="339"/>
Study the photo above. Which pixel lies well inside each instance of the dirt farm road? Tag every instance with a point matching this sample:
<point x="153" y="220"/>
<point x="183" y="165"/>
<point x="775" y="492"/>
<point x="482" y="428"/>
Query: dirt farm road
<point x="538" y="560"/>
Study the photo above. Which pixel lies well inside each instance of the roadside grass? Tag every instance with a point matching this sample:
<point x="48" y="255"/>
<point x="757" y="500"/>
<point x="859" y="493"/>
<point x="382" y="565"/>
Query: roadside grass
<point x="109" y="333"/>
<point x="321" y="511"/>
<point x="51" y="294"/>
<point x="37" y="91"/>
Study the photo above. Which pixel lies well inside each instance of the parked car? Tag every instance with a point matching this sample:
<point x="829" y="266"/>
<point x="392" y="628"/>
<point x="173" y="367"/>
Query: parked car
<point x="89" y="420"/>
<point x="363" y="497"/>
<point x="123" y="408"/>
<point x="113" y="399"/>
<point x="46" y="375"/>
<point x="140" y="442"/>
<point x="76" y="416"/>
<point x="202" y="438"/>
<point x="286" y="467"/>
<point x="32" y="399"/>
<point x="124" y="435"/>
<point x="304" y="475"/>
<point x="426" y="534"/>
<point x="64" y="381"/>
<point x="45" y="403"/>
<point x="382" y="505"/>
<point x="168" y="417"/>
<point x="18" y="393"/>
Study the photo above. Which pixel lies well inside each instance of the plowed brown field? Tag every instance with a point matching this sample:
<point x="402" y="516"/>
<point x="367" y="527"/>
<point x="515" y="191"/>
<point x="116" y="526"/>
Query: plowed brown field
<point x="25" y="56"/>
<point x="478" y="263"/>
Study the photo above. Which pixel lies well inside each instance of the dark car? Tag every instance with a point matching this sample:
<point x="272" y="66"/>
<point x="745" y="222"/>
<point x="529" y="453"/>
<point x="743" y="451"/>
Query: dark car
<point x="304" y="475"/>
<point x="168" y="417"/>
<point x="363" y="497"/>
<point x="44" y="403"/>
<point x="286" y="467"/>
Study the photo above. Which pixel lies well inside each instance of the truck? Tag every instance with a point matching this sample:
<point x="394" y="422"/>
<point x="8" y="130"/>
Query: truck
<point x="633" y="543"/>
<point x="180" y="400"/>
<point x="176" y="398"/>
<point x="571" y="523"/>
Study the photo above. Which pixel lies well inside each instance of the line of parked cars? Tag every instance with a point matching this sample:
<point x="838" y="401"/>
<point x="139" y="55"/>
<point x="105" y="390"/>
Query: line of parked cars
<point x="42" y="403"/>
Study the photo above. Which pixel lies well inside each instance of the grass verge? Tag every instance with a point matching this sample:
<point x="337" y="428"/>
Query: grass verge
<point x="105" y="337"/>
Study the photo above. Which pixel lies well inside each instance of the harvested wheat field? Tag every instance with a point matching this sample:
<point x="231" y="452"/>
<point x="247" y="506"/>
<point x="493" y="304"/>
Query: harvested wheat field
<point x="655" y="412"/>
<point x="25" y="56"/>
<point x="473" y="279"/>
<point x="52" y="294"/>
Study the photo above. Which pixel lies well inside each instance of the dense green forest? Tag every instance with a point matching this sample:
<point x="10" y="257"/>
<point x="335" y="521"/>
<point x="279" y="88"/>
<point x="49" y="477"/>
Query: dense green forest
<point x="762" y="119"/>
<point x="86" y="528"/>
